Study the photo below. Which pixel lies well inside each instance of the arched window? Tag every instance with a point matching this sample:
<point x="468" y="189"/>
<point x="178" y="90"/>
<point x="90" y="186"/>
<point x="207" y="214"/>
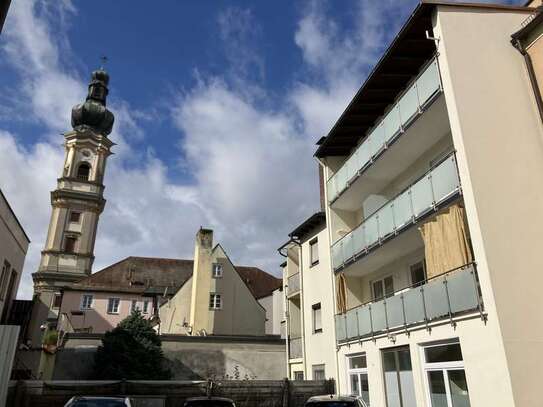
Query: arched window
<point x="83" y="171"/>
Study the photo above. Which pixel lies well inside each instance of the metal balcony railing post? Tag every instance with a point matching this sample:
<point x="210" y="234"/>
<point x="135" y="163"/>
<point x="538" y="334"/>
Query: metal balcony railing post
<point x="404" y="316"/>
<point x="386" y="315"/>
<point x="476" y="289"/>
<point x="424" y="308"/>
<point x="445" y="282"/>
<point x="357" y="323"/>
<point x="371" y="323"/>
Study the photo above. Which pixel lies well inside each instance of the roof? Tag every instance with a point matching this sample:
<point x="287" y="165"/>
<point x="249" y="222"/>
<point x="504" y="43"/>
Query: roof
<point x="308" y="225"/>
<point x="529" y="24"/>
<point x="403" y="59"/>
<point x="14" y="216"/>
<point x="153" y="275"/>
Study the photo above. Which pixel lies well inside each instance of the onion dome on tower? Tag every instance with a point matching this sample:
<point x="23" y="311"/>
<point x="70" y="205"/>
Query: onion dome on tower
<point x="93" y="113"/>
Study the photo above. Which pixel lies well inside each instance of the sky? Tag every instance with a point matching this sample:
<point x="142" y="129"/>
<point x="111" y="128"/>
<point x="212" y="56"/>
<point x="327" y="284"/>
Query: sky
<point x="218" y="106"/>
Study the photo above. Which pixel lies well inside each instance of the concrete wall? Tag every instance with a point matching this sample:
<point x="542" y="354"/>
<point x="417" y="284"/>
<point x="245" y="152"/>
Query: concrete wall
<point x="499" y="141"/>
<point x="275" y="311"/>
<point x="98" y="318"/>
<point x="176" y="311"/>
<point x="189" y="357"/>
<point x="13" y="248"/>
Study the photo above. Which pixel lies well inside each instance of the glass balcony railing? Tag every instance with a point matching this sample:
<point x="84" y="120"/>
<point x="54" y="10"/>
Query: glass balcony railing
<point x="293" y="284"/>
<point x="425" y="195"/>
<point x="444" y="296"/>
<point x="410" y="104"/>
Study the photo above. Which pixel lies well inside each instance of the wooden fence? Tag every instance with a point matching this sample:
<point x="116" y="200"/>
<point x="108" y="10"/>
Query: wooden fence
<point x="245" y="393"/>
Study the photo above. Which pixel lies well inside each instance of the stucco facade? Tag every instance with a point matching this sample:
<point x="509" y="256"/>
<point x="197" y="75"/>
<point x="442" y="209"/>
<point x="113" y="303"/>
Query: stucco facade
<point x="13" y="247"/>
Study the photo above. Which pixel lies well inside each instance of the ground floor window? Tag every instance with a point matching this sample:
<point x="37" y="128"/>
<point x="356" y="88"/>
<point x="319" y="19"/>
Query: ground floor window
<point x="357" y="371"/>
<point x="445" y="376"/>
<point x="299" y="375"/>
<point x="399" y="384"/>
<point x="319" y="372"/>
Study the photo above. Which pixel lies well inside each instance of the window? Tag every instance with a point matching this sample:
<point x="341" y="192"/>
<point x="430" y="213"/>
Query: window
<point x="215" y="301"/>
<point x="113" y="305"/>
<point x="57" y="300"/>
<point x="383" y="288"/>
<point x="357" y="371"/>
<point x="318" y="372"/>
<point x="4" y="279"/>
<point x="75" y="216"/>
<point x="217" y="270"/>
<point x="314" y="251"/>
<point x="134" y="306"/>
<point x="317" y="318"/>
<point x="70" y="244"/>
<point x="399" y="383"/>
<point x="299" y="375"/>
<point x="83" y="171"/>
<point x="145" y="307"/>
<point x="418" y="274"/>
<point x="445" y="376"/>
<point x="86" y="301"/>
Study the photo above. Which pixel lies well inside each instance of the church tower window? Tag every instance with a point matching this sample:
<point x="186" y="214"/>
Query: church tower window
<point x="70" y="243"/>
<point x="83" y="171"/>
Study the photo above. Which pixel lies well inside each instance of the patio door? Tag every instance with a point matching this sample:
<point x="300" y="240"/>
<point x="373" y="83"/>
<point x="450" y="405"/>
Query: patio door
<point x="399" y="385"/>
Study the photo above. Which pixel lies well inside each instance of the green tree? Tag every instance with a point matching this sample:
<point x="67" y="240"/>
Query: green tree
<point x="132" y="350"/>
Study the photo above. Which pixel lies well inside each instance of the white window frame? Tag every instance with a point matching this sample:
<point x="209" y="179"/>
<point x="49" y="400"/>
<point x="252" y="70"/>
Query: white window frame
<point x="382" y="281"/>
<point x="217" y="305"/>
<point x="145" y="307"/>
<point x="318" y="367"/>
<point x="439" y="366"/>
<point x="415" y="263"/>
<point x="82" y="306"/>
<point x="118" y="310"/>
<point x="217" y="270"/>
<point x="314" y="317"/>
<point x="4" y="279"/>
<point x="313" y="243"/>
<point x="356" y="371"/>
<point x="135" y="305"/>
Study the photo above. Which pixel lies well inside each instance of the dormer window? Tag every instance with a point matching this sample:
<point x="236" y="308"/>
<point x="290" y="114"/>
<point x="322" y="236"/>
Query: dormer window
<point x="83" y="171"/>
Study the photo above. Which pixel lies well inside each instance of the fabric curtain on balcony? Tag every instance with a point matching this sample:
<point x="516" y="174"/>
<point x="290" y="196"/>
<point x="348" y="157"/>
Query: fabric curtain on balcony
<point x="446" y="241"/>
<point x="341" y="293"/>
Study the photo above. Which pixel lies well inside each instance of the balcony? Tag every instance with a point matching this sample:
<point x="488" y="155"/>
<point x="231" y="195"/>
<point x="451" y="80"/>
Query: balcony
<point x="432" y="191"/>
<point x="293" y="285"/>
<point x="413" y="102"/>
<point x="295" y="348"/>
<point x="445" y="296"/>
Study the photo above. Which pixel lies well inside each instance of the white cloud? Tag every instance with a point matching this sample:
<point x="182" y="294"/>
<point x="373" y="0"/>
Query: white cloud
<point x="254" y="173"/>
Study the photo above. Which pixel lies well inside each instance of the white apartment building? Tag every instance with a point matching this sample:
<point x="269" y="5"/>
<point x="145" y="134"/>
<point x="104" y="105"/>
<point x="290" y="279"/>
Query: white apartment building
<point x="433" y="212"/>
<point x="309" y="300"/>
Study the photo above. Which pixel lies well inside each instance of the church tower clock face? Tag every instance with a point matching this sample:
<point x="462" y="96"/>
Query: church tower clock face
<point x="77" y="203"/>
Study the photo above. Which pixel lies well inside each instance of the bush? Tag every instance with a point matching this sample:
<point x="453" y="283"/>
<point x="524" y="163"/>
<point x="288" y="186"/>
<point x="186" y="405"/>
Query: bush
<point x="132" y="350"/>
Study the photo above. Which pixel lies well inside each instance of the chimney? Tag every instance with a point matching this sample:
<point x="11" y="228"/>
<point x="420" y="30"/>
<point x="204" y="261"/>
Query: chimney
<point x="201" y="280"/>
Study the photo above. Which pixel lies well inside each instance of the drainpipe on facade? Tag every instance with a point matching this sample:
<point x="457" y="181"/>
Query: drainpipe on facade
<point x="531" y="74"/>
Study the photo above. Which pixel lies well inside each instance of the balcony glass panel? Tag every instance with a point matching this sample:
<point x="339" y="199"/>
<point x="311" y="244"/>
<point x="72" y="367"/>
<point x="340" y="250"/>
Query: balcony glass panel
<point x="352" y="323"/>
<point x="337" y="260"/>
<point x="414" y="306"/>
<point x="463" y="292"/>
<point x="403" y="213"/>
<point x="421" y="196"/>
<point x="395" y="311"/>
<point x="347" y="247"/>
<point x="359" y="240"/>
<point x="378" y="316"/>
<point x="428" y="83"/>
<point x="377" y="139"/>
<point x="371" y="230"/>
<point x="392" y="123"/>
<point x="341" y="327"/>
<point x="445" y="179"/>
<point x="293" y="284"/>
<point x="435" y="299"/>
<point x="409" y="104"/>
<point x="364" y="321"/>
<point x="386" y="220"/>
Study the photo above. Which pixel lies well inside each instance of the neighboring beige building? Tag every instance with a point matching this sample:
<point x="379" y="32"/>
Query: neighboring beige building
<point x="163" y="290"/>
<point x="13" y="247"/>
<point x="310" y="305"/>
<point x="433" y="198"/>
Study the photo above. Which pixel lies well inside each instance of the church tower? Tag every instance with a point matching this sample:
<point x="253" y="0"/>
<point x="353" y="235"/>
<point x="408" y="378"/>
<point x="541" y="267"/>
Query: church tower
<point x="77" y="203"/>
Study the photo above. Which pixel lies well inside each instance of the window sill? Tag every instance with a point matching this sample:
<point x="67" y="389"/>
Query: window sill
<point x="113" y="313"/>
<point x="316" y="263"/>
<point x="215" y="309"/>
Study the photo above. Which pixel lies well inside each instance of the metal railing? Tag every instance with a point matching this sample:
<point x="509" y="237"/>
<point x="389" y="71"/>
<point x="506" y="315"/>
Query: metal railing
<point x="293" y="284"/>
<point x="443" y="296"/>
<point x="295" y="348"/>
<point x="425" y="195"/>
<point x="412" y="103"/>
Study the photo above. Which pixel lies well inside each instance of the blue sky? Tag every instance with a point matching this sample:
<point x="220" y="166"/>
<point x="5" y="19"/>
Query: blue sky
<point x="218" y="106"/>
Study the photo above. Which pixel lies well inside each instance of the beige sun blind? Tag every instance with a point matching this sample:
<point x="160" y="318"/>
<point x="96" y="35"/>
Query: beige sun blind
<point x="341" y="294"/>
<point x="446" y="241"/>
